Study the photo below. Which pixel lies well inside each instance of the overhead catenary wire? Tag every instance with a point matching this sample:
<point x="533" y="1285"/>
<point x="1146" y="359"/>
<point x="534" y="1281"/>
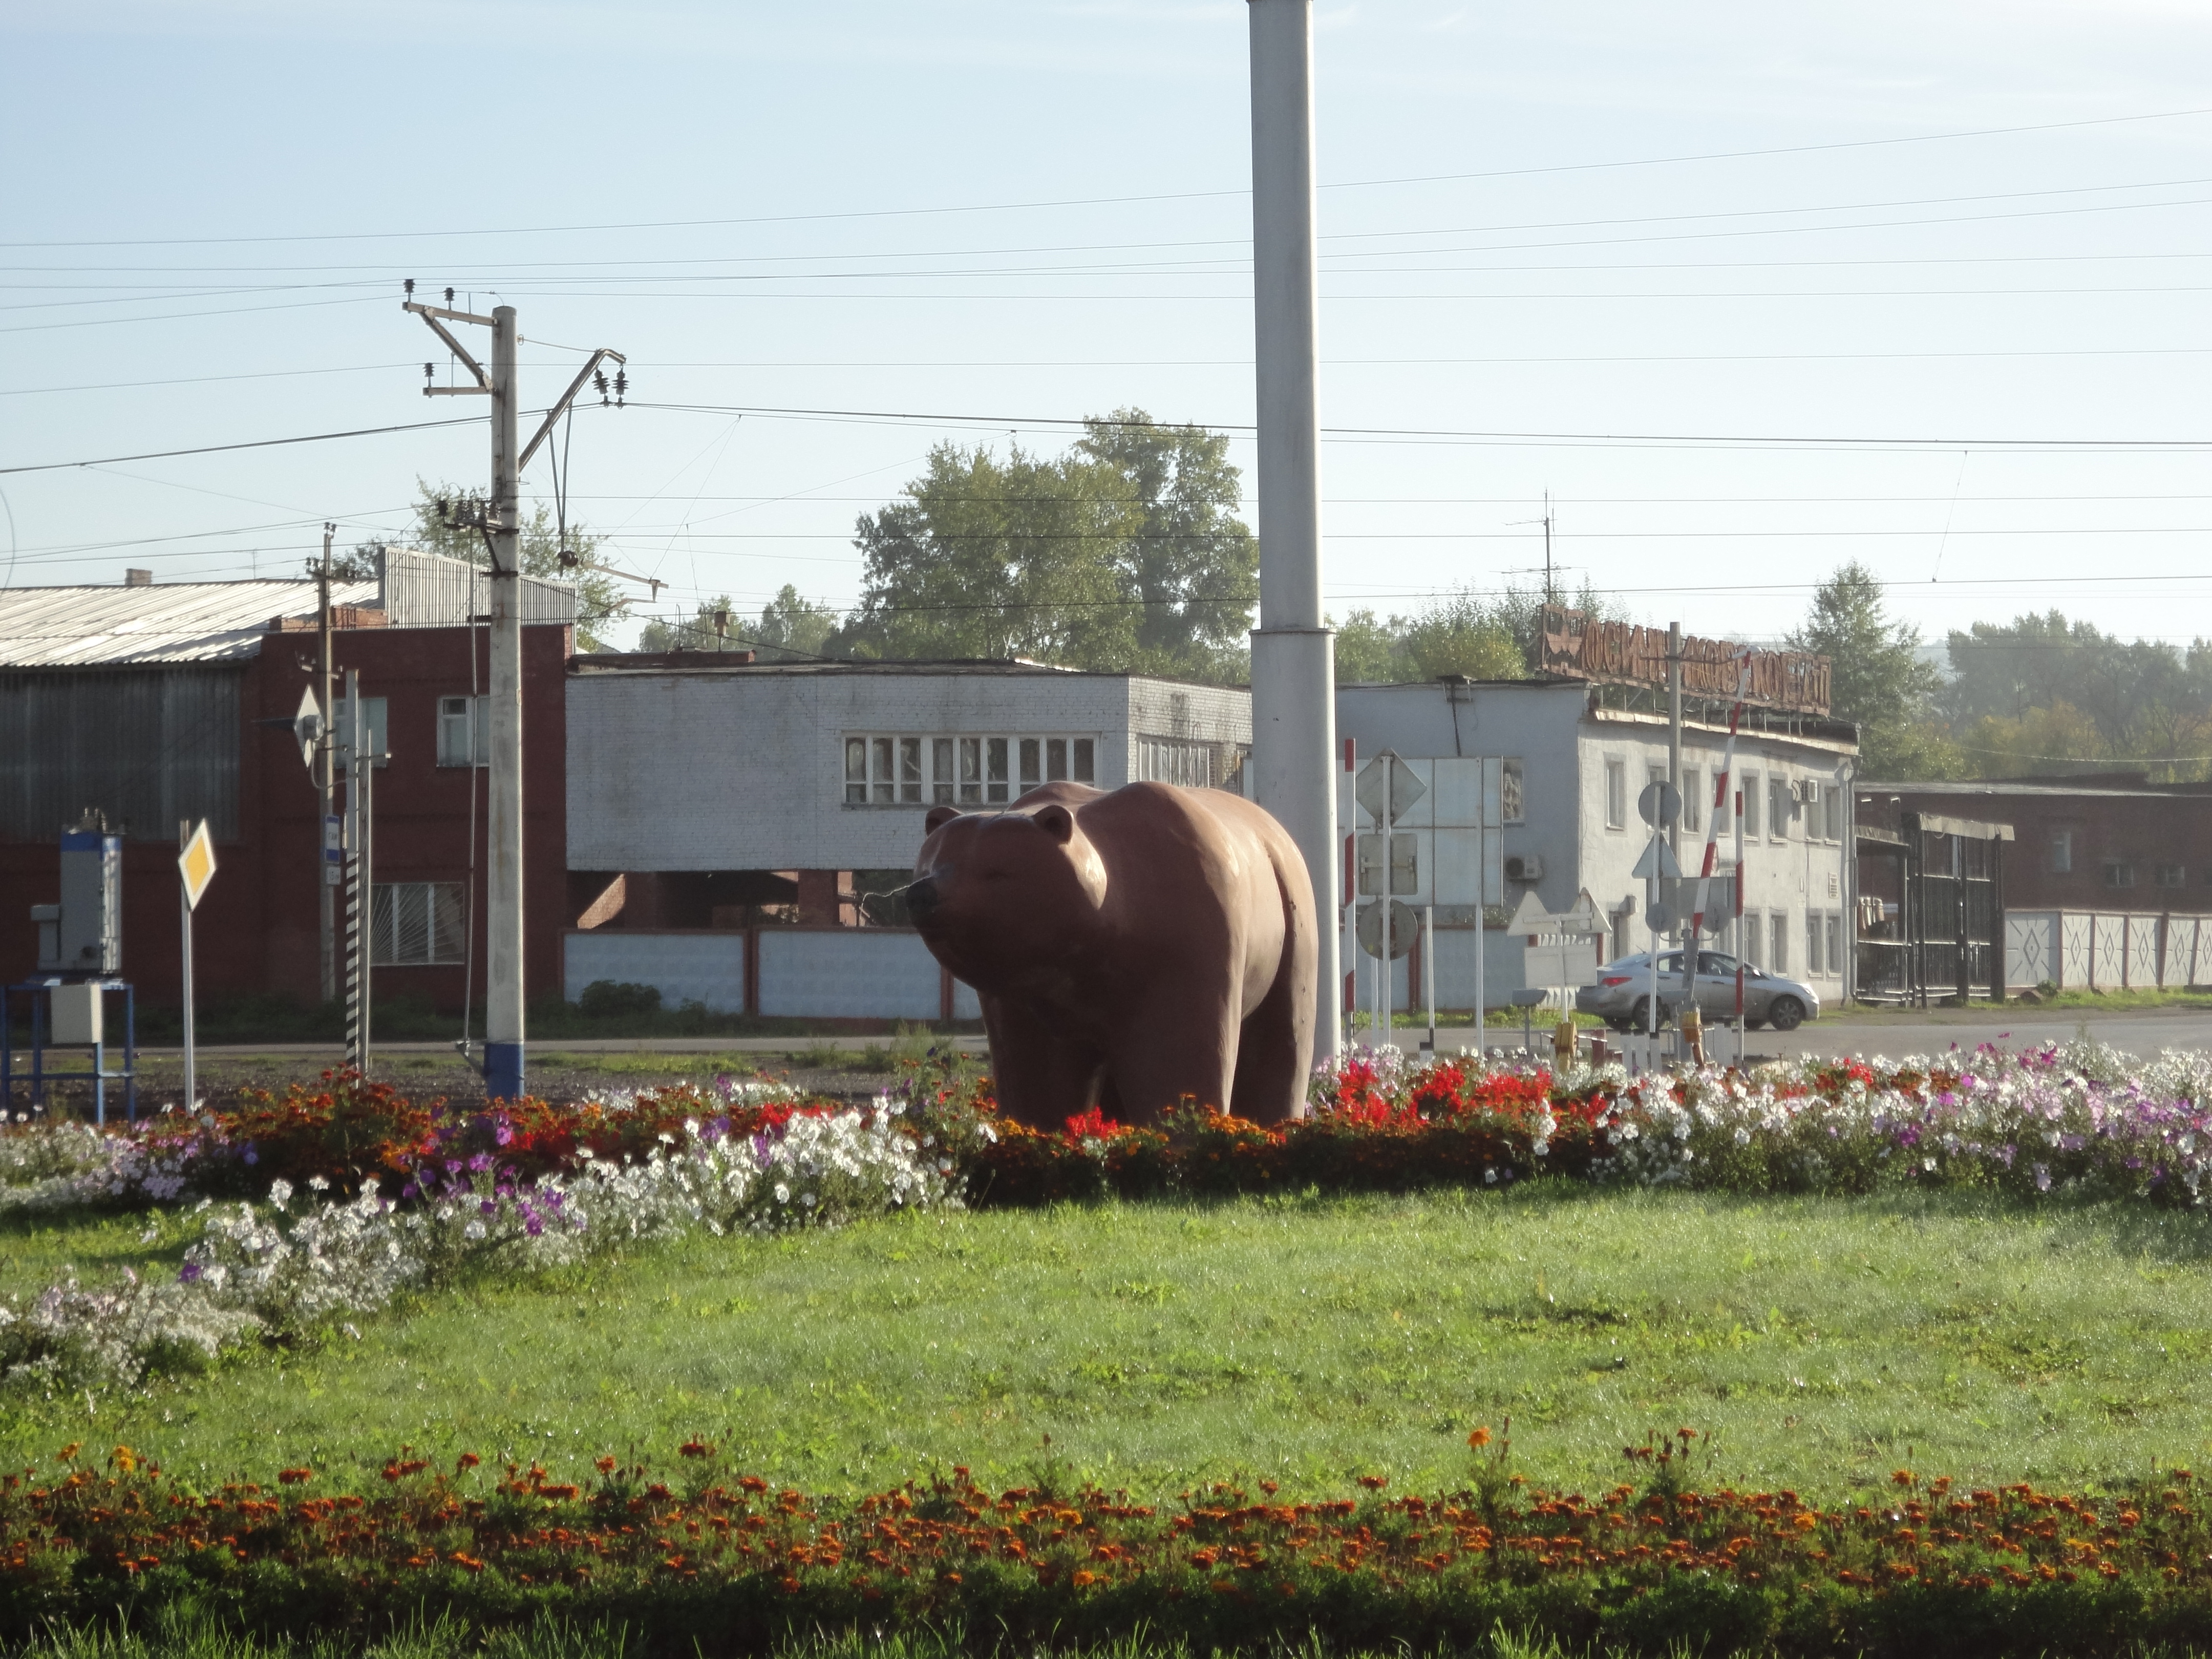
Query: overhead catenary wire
<point x="1900" y="140"/>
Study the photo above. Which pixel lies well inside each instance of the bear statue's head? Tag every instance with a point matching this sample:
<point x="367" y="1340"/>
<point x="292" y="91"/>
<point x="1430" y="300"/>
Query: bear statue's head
<point x="995" y="891"/>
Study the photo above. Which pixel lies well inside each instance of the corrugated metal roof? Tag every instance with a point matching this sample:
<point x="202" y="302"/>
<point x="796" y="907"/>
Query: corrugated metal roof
<point x="165" y="623"/>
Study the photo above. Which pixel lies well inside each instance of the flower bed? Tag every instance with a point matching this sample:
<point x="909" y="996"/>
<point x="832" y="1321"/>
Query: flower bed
<point x="703" y="1560"/>
<point x="398" y="1193"/>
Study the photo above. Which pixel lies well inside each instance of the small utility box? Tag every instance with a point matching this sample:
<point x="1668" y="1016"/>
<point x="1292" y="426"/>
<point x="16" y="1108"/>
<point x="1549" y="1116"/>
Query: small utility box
<point x="90" y="926"/>
<point x="76" y="1015"/>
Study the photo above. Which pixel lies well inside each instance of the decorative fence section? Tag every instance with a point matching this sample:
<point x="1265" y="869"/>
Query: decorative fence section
<point x="2106" y="951"/>
<point x="799" y="973"/>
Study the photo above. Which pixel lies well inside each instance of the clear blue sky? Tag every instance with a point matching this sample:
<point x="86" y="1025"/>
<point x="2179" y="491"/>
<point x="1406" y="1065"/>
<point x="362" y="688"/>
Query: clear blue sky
<point x="898" y="207"/>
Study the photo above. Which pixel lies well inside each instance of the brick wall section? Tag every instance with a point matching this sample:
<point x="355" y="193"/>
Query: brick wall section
<point x="2144" y="827"/>
<point x="256" y="931"/>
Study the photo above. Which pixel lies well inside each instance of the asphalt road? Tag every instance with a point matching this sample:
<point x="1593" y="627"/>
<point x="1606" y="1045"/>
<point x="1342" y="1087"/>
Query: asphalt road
<point x="1888" y="1033"/>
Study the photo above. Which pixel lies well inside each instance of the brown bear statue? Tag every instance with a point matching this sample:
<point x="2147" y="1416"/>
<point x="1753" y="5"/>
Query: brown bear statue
<point x="1129" y="949"/>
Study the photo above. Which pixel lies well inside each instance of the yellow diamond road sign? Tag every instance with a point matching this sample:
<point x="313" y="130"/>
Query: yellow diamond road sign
<point x="197" y="862"/>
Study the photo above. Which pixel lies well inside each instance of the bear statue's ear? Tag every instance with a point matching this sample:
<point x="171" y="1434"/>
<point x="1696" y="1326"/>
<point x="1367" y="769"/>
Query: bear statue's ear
<point x="1056" y="821"/>
<point x="939" y="817"/>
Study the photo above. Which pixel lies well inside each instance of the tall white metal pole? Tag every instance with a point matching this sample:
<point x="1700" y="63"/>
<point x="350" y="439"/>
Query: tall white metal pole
<point x="503" y="1034"/>
<point x="1293" y="670"/>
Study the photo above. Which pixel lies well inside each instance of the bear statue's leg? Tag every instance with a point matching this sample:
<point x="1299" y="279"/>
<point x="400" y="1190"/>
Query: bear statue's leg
<point x="1274" y="1052"/>
<point x="1043" y="1077"/>
<point x="1274" y="1056"/>
<point x="1180" y="1041"/>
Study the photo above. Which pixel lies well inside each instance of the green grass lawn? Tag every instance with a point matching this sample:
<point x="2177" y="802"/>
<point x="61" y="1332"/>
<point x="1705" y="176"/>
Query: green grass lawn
<point x="1826" y="1342"/>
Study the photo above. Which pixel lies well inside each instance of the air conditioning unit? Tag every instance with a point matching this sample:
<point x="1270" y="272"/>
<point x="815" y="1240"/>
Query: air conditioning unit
<point x="1806" y="791"/>
<point x="1524" y="866"/>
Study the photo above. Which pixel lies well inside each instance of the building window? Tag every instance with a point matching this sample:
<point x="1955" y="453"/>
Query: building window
<point x="463" y="737"/>
<point x="1834" y="797"/>
<point x="1616" y="794"/>
<point x="2119" y="873"/>
<point x="418" y="923"/>
<point x="2061" y="851"/>
<point x="946" y="771"/>
<point x="1175" y="760"/>
<point x="1836" y="947"/>
<point x="1749" y="792"/>
<point x="2172" y="875"/>
<point x="1693" y="817"/>
<point x="1778" y="807"/>
<point x="1510" y="791"/>
<point x="1814" y="932"/>
<point x="1621" y="920"/>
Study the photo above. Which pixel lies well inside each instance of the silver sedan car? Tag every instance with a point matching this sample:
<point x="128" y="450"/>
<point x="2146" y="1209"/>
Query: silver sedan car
<point x="1624" y="988"/>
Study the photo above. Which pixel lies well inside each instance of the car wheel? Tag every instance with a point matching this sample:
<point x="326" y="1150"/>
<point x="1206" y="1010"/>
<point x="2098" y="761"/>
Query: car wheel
<point x="1786" y="1013"/>
<point x="1639" y="1016"/>
<point x="1621" y="1023"/>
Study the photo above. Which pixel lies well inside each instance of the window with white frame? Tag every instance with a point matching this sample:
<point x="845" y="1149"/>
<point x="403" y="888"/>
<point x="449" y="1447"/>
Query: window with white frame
<point x="1836" y="945"/>
<point x="1174" y="760"/>
<point x="2119" y="873"/>
<point x="1750" y="792"/>
<point x="1778" y="933"/>
<point x="418" y="923"/>
<point x="1779" y="805"/>
<point x="1693" y="810"/>
<point x="1510" y="791"/>
<point x="1616" y="794"/>
<point x="463" y="739"/>
<point x="1833" y="795"/>
<point x="1815" y="935"/>
<point x="2061" y="851"/>
<point x="1807" y="798"/>
<point x="960" y="771"/>
<point x="2172" y="875"/>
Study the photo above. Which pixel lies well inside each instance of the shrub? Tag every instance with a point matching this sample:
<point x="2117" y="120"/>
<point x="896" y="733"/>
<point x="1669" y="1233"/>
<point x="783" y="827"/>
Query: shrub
<point x="609" y="999"/>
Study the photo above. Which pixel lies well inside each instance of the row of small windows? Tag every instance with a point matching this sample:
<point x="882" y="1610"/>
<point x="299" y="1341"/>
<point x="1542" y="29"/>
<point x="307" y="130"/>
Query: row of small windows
<point x="1819" y="803"/>
<point x="2118" y="873"/>
<point x="956" y="771"/>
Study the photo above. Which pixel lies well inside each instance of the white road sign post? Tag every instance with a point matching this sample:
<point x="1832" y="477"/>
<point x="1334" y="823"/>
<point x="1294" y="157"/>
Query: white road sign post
<point x="195" y="869"/>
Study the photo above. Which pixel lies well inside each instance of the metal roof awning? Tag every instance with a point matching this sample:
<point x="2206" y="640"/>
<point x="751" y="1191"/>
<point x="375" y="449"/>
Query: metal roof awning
<point x="1972" y="828"/>
<point x="171" y="622"/>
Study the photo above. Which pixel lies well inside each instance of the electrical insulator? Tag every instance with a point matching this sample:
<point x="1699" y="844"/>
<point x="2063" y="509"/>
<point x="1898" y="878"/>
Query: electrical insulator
<point x="622" y="386"/>
<point x="429" y="371"/>
<point x="599" y="382"/>
<point x="449" y="296"/>
<point x="411" y="287"/>
<point x="445" y="512"/>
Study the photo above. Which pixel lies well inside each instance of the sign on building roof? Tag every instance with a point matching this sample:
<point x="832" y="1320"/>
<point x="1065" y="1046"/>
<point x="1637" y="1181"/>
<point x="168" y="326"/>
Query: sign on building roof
<point x="1580" y="647"/>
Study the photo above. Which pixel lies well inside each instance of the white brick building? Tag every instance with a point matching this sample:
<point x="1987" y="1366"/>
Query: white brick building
<point x="1580" y="764"/>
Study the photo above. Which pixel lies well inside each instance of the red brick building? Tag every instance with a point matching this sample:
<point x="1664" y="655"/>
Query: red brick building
<point x="155" y="703"/>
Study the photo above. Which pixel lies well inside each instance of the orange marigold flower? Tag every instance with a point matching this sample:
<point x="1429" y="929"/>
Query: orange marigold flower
<point x="295" y="1477"/>
<point x="1902" y="1477"/>
<point x="1480" y="1438"/>
<point x="1375" y="1482"/>
<point x="604" y="1465"/>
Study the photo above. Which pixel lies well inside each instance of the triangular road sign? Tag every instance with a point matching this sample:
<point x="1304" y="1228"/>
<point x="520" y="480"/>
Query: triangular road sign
<point x="1658" y="859"/>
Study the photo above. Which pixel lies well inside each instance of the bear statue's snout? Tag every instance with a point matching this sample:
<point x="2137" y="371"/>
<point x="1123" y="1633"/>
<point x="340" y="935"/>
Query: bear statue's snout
<point x="922" y="899"/>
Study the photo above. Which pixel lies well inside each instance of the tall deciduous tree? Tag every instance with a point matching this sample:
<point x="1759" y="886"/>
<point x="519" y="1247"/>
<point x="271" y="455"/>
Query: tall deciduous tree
<point x="1124" y="553"/>
<point x="1191" y="563"/>
<point x="1878" y="676"/>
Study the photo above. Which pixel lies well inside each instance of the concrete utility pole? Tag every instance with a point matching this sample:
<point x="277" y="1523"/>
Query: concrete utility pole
<point x="325" y="776"/>
<point x="501" y="527"/>
<point x="1294" y="651"/>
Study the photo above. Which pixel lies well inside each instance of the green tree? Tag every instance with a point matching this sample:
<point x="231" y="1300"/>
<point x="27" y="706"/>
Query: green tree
<point x="1369" y="650"/>
<point x="599" y="599"/>
<point x="1194" y="564"/>
<point x="1878" y="678"/>
<point x="1022" y="557"/>
<point x="1124" y="553"/>
<point x="789" y="628"/>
